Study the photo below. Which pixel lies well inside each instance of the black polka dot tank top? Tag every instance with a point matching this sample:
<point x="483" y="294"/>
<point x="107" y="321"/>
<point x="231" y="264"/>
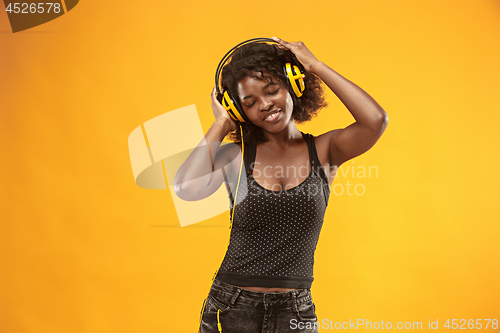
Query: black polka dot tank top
<point x="274" y="233"/>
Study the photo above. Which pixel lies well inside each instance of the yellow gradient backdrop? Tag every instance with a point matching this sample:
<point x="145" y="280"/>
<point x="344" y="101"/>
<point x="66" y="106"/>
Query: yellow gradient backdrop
<point x="84" y="249"/>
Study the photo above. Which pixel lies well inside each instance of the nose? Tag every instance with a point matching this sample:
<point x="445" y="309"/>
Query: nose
<point x="266" y="104"/>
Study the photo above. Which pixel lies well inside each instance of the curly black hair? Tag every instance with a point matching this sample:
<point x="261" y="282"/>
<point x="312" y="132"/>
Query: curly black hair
<point x="262" y="57"/>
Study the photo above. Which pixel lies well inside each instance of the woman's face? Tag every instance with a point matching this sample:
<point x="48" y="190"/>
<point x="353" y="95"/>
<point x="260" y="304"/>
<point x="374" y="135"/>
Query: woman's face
<point x="266" y="101"/>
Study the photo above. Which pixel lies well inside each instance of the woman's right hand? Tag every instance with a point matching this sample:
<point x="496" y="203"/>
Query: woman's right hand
<point x="221" y="115"/>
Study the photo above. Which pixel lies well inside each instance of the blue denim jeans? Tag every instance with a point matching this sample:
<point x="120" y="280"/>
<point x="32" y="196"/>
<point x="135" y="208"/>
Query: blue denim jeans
<point x="244" y="311"/>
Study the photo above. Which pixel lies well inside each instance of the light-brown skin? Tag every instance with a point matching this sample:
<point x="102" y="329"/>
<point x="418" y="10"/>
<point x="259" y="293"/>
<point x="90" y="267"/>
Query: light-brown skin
<point x="286" y="147"/>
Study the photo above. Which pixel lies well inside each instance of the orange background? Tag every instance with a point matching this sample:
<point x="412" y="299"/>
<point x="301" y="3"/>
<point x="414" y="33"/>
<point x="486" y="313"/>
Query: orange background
<point x="84" y="249"/>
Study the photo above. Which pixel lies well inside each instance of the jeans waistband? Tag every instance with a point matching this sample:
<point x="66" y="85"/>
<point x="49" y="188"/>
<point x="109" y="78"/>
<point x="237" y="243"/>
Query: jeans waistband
<point x="233" y="294"/>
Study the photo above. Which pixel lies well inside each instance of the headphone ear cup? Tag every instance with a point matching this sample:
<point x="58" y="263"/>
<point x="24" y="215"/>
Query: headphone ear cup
<point x="232" y="107"/>
<point x="295" y="78"/>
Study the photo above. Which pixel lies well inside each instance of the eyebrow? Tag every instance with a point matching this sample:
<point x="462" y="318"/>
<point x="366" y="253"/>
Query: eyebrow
<point x="267" y="85"/>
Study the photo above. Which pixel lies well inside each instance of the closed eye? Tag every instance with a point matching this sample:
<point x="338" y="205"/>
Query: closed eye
<point x="274" y="92"/>
<point x="270" y="93"/>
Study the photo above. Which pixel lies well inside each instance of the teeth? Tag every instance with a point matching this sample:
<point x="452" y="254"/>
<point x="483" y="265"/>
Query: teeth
<point x="272" y="115"/>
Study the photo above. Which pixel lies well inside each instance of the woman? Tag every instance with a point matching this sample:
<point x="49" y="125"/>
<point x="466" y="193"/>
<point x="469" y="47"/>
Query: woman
<point x="277" y="209"/>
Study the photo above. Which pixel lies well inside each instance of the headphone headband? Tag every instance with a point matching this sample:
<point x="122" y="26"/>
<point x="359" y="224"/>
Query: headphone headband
<point x="228" y="54"/>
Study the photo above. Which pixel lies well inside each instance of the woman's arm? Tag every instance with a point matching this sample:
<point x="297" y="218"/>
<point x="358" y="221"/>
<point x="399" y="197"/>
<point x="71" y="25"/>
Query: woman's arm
<point x="202" y="174"/>
<point x="371" y="119"/>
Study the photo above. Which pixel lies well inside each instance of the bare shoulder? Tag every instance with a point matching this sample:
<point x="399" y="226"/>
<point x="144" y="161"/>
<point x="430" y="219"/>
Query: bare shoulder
<point x="327" y="136"/>
<point x="229" y="158"/>
<point x="228" y="150"/>
<point x="326" y="149"/>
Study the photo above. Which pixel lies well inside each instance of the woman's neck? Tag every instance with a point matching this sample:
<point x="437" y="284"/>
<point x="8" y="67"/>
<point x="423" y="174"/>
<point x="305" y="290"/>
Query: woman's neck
<point x="285" y="137"/>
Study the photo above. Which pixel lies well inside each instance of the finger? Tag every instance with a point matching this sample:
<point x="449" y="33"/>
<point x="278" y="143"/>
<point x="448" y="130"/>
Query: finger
<point x="293" y="47"/>
<point x="214" y="95"/>
<point x="285" y="44"/>
<point x="281" y="43"/>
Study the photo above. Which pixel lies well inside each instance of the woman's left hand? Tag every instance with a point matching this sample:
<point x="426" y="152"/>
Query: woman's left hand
<point x="302" y="53"/>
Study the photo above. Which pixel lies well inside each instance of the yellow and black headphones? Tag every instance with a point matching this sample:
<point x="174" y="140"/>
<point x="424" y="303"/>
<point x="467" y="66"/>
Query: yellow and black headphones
<point x="293" y="72"/>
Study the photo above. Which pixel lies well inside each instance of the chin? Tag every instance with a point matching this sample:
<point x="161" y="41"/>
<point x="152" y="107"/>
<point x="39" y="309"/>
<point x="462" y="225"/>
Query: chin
<point x="276" y="128"/>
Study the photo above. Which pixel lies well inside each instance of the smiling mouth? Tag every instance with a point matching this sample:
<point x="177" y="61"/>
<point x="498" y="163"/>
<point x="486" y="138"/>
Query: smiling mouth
<point x="273" y="116"/>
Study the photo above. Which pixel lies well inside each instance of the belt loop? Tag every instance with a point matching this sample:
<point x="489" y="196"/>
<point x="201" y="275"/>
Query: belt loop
<point x="235" y="296"/>
<point x="294" y="297"/>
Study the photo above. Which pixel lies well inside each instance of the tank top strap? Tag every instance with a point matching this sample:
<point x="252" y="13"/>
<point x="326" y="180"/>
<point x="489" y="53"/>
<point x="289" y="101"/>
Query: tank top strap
<point x="310" y="148"/>
<point x="313" y="155"/>
<point x="316" y="164"/>
<point x="249" y="158"/>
